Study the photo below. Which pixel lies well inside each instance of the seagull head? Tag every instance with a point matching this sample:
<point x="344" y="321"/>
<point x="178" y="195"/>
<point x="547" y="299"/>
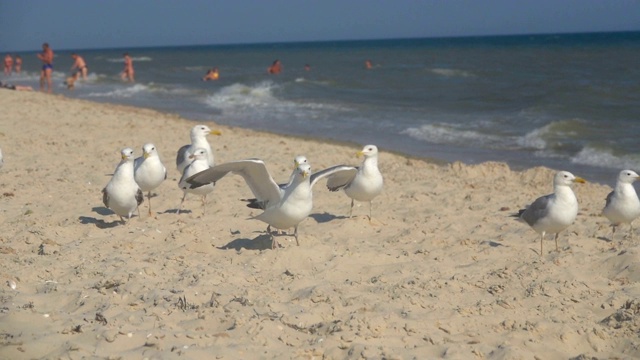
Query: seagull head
<point x="203" y="131"/>
<point x="628" y="176"/>
<point x="199" y="154"/>
<point x="148" y="150"/>
<point x="565" y="178"/>
<point x="368" y="151"/>
<point x="127" y="154"/>
<point x="299" y="160"/>
<point x="304" y="170"/>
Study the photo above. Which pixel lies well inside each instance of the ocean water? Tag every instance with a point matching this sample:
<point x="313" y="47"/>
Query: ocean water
<point x="565" y="101"/>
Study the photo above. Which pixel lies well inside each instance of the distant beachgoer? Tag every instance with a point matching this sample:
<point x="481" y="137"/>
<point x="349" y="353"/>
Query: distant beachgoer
<point x="368" y="65"/>
<point x="212" y="74"/>
<point x="127" y="73"/>
<point x="18" y="65"/>
<point x="275" y="68"/>
<point x="71" y="81"/>
<point x="8" y="64"/>
<point x="47" y="67"/>
<point x="307" y="67"/>
<point x="80" y="66"/>
<point x="15" y="87"/>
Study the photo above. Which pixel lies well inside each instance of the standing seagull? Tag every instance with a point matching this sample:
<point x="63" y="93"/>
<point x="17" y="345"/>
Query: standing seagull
<point x="361" y="183"/>
<point x="623" y="205"/>
<point x="198" y="164"/>
<point x="122" y="194"/>
<point x="284" y="208"/>
<point x="554" y="212"/>
<point x="149" y="171"/>
<point x="198" y="140"/>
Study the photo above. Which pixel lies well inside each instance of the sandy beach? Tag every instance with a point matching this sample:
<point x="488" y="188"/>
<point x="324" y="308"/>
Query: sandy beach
<point x="442" y="271"/>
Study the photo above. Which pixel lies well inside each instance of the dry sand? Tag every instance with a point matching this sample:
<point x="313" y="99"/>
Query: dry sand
<point x="443" y="271"/>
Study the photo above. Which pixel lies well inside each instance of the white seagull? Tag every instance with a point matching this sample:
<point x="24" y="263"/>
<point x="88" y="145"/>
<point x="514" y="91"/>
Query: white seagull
<point x="122" y="194"/>
<point x="198" y="164"/>
<point x="198" y="140"/>
<point x="361" y="183"/>
<point x="149" y="172"/>
<point x="284" y="207"/>
<point x="623" y="205"/>
<point x="256" y="204"/>
<point x="554" y="212"/>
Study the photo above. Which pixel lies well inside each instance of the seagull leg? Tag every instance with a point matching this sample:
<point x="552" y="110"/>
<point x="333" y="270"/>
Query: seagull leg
<point x="180" y="206"/>
<point x="541" y="238"/>
<point x="369" y="212"/>
<point x="204" y="199"/>
<point x="149" y="199"/>
<point x="351" y="210"/>
<point x="557" y="250"/>
<point x="295" y="234"/>
<point x="631" y="231"/>
<point x="274" y="243"/>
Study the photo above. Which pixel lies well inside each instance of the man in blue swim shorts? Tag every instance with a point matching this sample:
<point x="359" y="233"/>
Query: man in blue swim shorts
<point x="46" y="56"/>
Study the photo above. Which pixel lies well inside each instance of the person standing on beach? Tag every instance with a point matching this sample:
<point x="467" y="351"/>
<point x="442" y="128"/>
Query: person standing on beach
<point x="18" y="66"/>
<point x="8" y="64"/>
<point x="80" y="66"/>
<point x="127" y="73"/>
<point x="275" y="68"/>
<point x="46" y="56"/>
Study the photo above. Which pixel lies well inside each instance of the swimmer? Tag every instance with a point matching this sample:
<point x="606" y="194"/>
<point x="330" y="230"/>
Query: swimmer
<point x="212" y="74"/>
<point x="80" y="66"/>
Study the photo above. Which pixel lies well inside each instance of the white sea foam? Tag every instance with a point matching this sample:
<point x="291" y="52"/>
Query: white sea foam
<point x="451" y="72"/>
<point x="125" y="92"/>
<point x="449" y="134"/>
<point x="534" y="139"/>
<point x="605" y="158"/>
<point x="133" y="58"/>
<point x="260" y="96"/>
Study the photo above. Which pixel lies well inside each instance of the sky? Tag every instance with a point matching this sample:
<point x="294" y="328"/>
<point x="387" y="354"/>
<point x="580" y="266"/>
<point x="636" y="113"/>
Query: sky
<point x="82" y="24"/>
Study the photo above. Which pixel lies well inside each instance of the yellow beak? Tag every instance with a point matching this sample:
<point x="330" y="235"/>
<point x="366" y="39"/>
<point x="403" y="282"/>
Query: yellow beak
<point x="359" y="154"/>
<point x="145" y="154"/>
<point x="215" y="132"/>
<point x="580" y="180"/>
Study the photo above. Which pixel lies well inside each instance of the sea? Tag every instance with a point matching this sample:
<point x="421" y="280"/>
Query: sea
<point x="565" y="101"/>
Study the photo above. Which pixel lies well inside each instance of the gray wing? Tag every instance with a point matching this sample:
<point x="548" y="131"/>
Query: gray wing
<point x="137" y="162"/>
<point x="139" y="196"/>
<point x="253" y="171"/>
<point x="105" y="197"/>
<point x="181" y="157"/>
<point x="609" y="198"/>
<point x="536" y="211"/>
<point x="339" y="176"/>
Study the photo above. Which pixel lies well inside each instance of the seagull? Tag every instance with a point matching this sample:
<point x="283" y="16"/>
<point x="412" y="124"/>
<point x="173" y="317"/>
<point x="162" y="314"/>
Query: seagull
<point x="623" y="205"/>
<point x="284" y="208"/>
<point x="554" y="212"/>
<point x="198" y="140"/>
<point x="198" y="164"/>
<point x="122" y="194"/>
<point x="361" y="183"/>
<point x="255" y="204"/>
<point x="149" y="172"/>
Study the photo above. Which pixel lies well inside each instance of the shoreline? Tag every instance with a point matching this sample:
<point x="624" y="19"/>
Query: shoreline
<point x="441" y="271"/>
